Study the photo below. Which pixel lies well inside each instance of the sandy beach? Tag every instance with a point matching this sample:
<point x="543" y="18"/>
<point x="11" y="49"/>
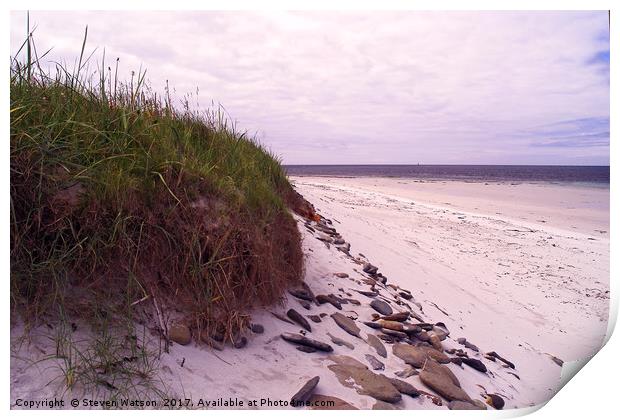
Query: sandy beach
<point x="520" y="270"/>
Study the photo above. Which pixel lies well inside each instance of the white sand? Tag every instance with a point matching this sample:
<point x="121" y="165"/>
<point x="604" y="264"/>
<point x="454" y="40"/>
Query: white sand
<point x="507" y="282"/>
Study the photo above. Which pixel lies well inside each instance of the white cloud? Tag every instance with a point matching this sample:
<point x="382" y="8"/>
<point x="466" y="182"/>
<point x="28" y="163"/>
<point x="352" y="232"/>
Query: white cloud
<point x="375" y="87"/>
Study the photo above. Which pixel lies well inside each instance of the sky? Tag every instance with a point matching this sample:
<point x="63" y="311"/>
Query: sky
<point x="370" y="87"/>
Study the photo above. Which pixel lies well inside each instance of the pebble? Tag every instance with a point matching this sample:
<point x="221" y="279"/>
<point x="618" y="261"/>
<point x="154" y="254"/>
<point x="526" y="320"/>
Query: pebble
<point x="240" y="342"/>
<point x="333" y="300"/>
<point x="340" y="342"/>
<point x="346" y="324"/>
<point x="474" y="363"/>
<point x="341" y="275"/>
<point x="257" y="328"/>
<point x="315" y="318"/>
<point x="398" y="334"/>
<point x="369" y="269"/>
<point x="368" y="293"/>
<point x="305" y="341"/>
<point x="407" y="372"/>
<point x="374" y="362"/>
<point x="495" y="401"/>
<point x="382" y="307"/>
<point x="299" y="319"/>
<point x="399" y="316"/>
<point x="391" y="325"/>
<point x="306" y="349"/>
<point x="366" y="382"/>
<point x="302" y="294"/>
<point x="405" y="387"/>
<point x="405" y="295"/>
<point x="305" y="391"/>
<point x="375" y="343"/>
<point x="180" y="333"/>
<point x="416" y="356"/>
<point x="462" y="341"/>
<point x="373" y="325"/>
<point x="443" y="386"/>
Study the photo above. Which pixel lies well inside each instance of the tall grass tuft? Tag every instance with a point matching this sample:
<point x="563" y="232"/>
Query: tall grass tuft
<point x="121" y="200"/>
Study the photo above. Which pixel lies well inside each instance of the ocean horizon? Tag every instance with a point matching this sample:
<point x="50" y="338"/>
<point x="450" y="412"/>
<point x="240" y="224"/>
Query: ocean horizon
<point x="598" y="175"/>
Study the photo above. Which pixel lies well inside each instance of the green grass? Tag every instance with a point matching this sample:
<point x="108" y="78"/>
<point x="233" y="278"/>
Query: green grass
<point x="120" y="202"/>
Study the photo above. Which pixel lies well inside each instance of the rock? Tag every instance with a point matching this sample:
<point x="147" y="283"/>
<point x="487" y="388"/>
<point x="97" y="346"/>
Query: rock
<point x="305" y="304"/>
<point x="456" y="360"/>
<point x="405" y="295"/>
<point x="387" y="338"/>
<point x="443" y="386"/>
<point x="346" y="247"/>
<point x="435" y="342"/>
<point x="299" y="319"/>
<point x="306" y="349"/>
<point x="495" y="401"/>
<point x="380" y="405"/>
<point x="399" y="316"/>
<point x="369" y="269"/>
<point x="381" y="307"/>
<point x="374" y="363"/>
<point x="341" y="275"/>
<point x="257" y="328"/>
<point x="368" y="293"/>
<point x="305" y="341"/>
<point x="315" y="318"/>
<point x="282" y="318"/>
<point x="353" y="301"/>
<point x="326" y="402"/>
<point x="302" y="293"/>
<point x="375" y="343"/>
<point x="180" y="333"/>
<point x="494" y="355"/>
<point x="347" y="361"/>
<point x="346" y="324"/>
<point x="462" y="405"/>
<point x="441" y="330"/>
<point x="333" y="300"/>
<point x="423" y="336"/>
<point x="240" y="342"/>
<point x="557" y="360"/>
<point x="323" y="237"/>
<point x="391" y="325"/>
<point x="407" y="372"/>
<point x="405" y="387"/>
<point x="467" y="344"/>
<point x="366" y="382"/>
<point x="339" y="241"/>
<point x="416" y="356"/>
<point x="434" y="367"/>
<point x="398" y="334"/>
<point x="340" y="342"/>
<point x="374" y="325"/>
<point x="305" y="391"/>
<point x="474" y="363"/>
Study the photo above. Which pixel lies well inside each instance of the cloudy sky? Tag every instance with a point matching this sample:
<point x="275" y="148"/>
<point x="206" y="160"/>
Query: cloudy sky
<point x="372" y="87"/>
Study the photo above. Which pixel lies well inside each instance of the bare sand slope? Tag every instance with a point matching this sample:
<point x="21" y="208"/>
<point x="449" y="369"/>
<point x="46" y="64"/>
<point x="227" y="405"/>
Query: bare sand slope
<point x="520" y="268"/>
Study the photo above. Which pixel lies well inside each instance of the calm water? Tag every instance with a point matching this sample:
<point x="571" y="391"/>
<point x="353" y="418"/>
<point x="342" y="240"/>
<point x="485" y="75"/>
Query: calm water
<point x="598" y="175"/>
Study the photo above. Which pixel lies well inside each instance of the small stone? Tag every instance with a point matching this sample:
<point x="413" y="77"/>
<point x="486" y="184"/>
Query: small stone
<point x="341" y="275"/>
<point x="368" y="293"/>
<point x="405" y="387"/>
<point x="374" y="362"/>
<point x="494" y="355"/>
<point x="374" y="325"/>
<point x="340" y="342"/>
<point x="381" y="307"/>
<point x="305" y="391"/>
<point x="557" y="360"/>
<point x="257" y="328"/>
<point x="366" y="382"/>
<point x="180" y="333"/>
<point x="302" y="293"/>
<point x="467" y="344"/>
<point x="405" y="295"/>
<point x="495" y="401"/>
<point x="338" y="241"/>
<point x="398" y="334"/>
<point x="369" y="269"/>
<point x="346" y="324"/>
<point x="306" y="349"/>
<point x="298" y="319"/>
<point x="315" y="318"/>
<point x="391" y="325"/>
<point x="443" y="386"/>
<point x="407" y="372"/>
<point x="305" y="341"/>
<point x="353" y="301"/>
<point x="435" y="341"/>
<point x="240" y="342"/>
<point x="399" y="316"/>
<point x="375" y="343"/>
<point x="305" y="304"/>
<point x="331" y="299"/>
<point x="474" y="363"/>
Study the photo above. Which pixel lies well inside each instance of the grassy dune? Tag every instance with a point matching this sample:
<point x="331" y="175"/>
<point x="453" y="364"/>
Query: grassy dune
<point x="123" y="204"/>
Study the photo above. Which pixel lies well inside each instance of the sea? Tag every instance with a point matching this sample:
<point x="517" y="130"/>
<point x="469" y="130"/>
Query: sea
<point x="587" y="175"/>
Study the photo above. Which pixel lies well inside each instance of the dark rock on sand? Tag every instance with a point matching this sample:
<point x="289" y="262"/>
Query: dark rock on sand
<point x="315" y="318"/>
<point x="369" y="269"/>
<point x="282" y="318"/>
<point x="407" y="372"/>
<point x="375" y="343"/>
<point x="339" y="241"/>
<point x="381" y="307"/>
<point x="416" y="356"/>
<point x="463" y="341"/>
<point x="346" y="324"/>
<point x="399" y="316"/>
<point x="302" y="293"/>
<point x="305" y="391"/>
<point x="435" y="341"/>
<point x="474" y="363"/>
<point x="341" y="275"/>
<point x="374" y="362"/>
<point x="373" y="325"/>
<point x="180" y="333"/>
<point x="257" y="328"/>
<point x="368" y="293"/>
<point x="405" y="295"/>
<point x="306" y="349"/>
<point x="443" y="386"/>
<point x="299" y="319"/>
<point x="434" y="367"/>
<point x="391" y="325"/>
<point x="240" y="342"/>
<point x="331" y="299"/>
<point x="305" y="304"/>
<point x="366" y="382"/>
<point x="340" y="342"/>
<point x="305" y="341"/>
<point x="495" y="401"/>
<point x="398" y="334"/>
<point x="405" y="387"/>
